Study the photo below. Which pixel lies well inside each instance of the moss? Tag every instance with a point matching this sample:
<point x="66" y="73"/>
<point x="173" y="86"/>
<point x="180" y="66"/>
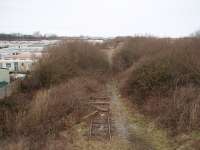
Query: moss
<point x="196" y="135"/>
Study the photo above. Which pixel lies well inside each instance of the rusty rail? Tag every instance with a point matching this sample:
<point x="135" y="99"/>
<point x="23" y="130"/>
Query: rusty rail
<point x="100" y="124"/>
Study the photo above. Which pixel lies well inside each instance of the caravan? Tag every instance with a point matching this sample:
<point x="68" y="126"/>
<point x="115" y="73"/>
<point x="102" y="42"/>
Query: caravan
<point x="4" y="76"/>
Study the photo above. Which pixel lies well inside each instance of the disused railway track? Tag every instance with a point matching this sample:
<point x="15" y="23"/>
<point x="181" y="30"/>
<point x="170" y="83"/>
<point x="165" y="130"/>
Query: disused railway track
<point x="100" y="123"/>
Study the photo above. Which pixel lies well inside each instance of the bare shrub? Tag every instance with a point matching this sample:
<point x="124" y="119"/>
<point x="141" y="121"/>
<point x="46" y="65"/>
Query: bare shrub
<point x="160" y="73"/>
<point x="68" y="60"/>
<point x="133" y="49"/>
<point x="179" y="112"/>
<point x="154" y="79"/>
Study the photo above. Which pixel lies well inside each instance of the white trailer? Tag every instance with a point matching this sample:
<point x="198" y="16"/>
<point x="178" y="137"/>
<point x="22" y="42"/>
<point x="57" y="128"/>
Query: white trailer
<point x="4" y="75"/>
<point x="16" y="65"/>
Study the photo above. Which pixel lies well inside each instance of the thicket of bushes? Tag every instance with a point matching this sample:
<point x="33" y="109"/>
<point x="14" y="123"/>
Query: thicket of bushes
<point x="49" y="112"/>
<point x="54" y="96"/>
<point x="68" y="60"/>
<point x="133" y="49"/>
<point x="164" y="79"/>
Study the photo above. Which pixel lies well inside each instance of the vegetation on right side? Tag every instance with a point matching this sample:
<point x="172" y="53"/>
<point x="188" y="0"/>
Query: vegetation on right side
<point x="162" y="78"/>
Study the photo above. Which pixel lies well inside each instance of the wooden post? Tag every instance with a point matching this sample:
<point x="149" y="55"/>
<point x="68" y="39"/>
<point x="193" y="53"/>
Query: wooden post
<point x="109" y="125"/>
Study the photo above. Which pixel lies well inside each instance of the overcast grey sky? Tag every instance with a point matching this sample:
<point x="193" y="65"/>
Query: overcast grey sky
<point x="101" y="17"/>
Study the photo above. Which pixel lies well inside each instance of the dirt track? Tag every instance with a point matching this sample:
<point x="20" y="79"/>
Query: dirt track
<point x="123" y="128"/>
<point x="129" y="130"/>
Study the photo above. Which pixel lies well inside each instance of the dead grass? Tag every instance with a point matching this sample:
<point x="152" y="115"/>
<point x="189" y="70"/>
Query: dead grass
<point x="51" y="111"/>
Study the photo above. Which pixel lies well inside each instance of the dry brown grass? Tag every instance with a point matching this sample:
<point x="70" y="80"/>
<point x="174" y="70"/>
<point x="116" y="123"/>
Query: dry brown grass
<point x="51" y="111"/>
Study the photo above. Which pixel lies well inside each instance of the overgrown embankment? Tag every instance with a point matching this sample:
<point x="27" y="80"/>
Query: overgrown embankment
<point x="53" y="98"/>
<point x="162" y="78"/>
<point x="67" y="60"/>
